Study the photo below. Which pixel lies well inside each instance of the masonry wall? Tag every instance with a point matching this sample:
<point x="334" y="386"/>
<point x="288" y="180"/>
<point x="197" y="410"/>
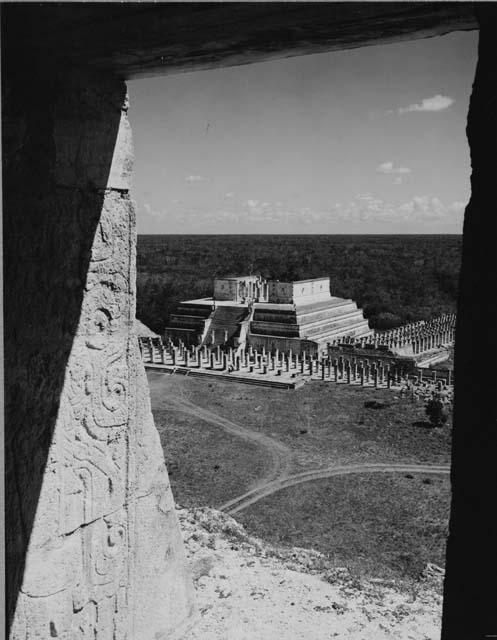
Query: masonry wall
<point x="226" y="289"/>
<point x="93" y="545"/>
<point x="303" y="292"/>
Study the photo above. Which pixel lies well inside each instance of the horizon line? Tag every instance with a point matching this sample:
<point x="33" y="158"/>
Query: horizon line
<point x="300" y="234"/>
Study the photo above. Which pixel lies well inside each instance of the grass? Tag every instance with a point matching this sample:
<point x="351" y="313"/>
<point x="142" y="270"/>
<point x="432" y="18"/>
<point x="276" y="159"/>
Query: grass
<point x="382" y="525"/>
<point x="324" y="423"/>
<point x="206" y="466"/>
<point x="379" y="525"/>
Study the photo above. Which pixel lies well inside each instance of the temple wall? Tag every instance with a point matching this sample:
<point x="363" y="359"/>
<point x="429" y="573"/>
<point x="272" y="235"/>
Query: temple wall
<point x="309" y="291"/>
<point x="93" y="545"/>
<point x="303" y="292"/>
<point x="280" y="292"/>
<point x="225" y="289"/>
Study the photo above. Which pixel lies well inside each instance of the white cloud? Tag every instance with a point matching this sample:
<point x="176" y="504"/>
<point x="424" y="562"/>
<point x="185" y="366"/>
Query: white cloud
<point x="150" y="210"/>
<point x="388" y="168"/>
<point x="436" y="103"/>
<point x="420" y="209"/>
<point x="420" y="213"/>
<point x="191" y="179"/>
<point x="230" y="194"/>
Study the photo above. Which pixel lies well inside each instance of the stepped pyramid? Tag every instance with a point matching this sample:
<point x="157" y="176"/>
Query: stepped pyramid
<point x="250" y="311"/>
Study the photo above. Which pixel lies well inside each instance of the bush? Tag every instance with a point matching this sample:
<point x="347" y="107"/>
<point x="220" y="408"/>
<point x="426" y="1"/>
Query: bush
<point x="437" y="412"/>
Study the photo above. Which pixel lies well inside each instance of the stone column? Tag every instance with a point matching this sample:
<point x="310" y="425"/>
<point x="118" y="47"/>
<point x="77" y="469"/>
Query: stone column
<point x="92" y="540"/>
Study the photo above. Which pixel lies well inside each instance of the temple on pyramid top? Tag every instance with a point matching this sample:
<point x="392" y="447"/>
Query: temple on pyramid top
<point x="268" y="314"/>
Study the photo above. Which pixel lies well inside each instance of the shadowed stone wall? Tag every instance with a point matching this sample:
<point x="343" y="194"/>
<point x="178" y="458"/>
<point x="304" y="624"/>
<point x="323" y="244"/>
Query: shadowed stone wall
<point x="93" y="545"/>
<point x="470" y="595"/>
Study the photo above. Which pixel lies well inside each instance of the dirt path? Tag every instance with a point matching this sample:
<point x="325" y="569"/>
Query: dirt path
<point x="254" y="495"/>
<point x="279" y="455"/>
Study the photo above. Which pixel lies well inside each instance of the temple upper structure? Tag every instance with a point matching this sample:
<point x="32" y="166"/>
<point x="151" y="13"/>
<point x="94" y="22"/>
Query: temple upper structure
<point x="249" y="310"/>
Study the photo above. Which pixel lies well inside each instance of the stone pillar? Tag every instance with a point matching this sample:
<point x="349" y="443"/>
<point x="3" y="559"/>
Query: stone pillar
<point x="93" y="546"/>
<point x="212" y="360"/>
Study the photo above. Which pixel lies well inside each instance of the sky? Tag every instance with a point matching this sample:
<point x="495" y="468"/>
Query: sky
<point x="369" y="140"/>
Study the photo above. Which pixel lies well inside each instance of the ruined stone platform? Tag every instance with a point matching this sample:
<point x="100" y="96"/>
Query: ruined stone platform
<point x="245" y="378"/>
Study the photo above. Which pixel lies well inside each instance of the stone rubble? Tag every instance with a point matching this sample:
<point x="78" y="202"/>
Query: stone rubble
<point x="248" y="590"/>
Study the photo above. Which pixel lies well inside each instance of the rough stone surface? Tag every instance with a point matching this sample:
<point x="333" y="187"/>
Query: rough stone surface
<point x="249" y="590"/>
<point x="93" y="544"/>
<point x="140" y="39"/>
<point x="470" y="594"/>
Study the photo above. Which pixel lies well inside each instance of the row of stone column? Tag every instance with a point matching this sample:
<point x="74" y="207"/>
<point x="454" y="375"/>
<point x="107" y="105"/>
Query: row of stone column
<point x="347" y="369"/>
<point x="420" y="335"/>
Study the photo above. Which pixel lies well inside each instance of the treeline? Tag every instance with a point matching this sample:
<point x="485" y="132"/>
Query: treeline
<point x="395" y="279"/>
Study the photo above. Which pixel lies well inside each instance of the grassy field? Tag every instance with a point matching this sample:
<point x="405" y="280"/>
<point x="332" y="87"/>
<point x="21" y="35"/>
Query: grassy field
<point x="206" y="466"/>
<point x="386" y="525"/>
<point x="379" y="525"/>
<point x="323" y="423"/>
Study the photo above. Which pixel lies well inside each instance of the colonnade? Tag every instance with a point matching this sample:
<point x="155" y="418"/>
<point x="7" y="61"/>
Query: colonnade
<point x="346" y="369"/>
<point x="418" y="336"/>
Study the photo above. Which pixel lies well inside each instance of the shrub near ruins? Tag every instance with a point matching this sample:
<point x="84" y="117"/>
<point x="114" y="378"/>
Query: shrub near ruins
<point x="437" y="411"/>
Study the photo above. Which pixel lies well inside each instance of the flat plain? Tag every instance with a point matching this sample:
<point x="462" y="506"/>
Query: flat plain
<point x="222" y="439"/>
